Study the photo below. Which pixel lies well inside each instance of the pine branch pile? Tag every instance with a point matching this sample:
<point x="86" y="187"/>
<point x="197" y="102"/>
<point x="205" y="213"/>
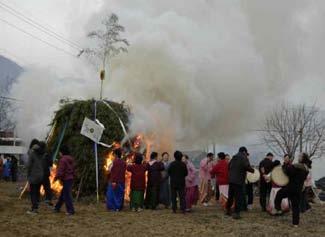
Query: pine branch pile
<point x="82" y="148"/>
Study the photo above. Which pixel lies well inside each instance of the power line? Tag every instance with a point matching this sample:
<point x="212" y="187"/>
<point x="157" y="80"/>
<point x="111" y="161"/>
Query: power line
<point x="9" y="98"/>
<point x="35" y="37"/>
<point x="37" y="25"/>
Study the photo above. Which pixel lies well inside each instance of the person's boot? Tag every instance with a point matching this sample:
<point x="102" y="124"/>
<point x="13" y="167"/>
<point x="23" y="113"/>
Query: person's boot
<point x="32" y="212"/>
<point x="227" y="213"/>
<point x="276" y="212"/>
<point x="49" y="203"/>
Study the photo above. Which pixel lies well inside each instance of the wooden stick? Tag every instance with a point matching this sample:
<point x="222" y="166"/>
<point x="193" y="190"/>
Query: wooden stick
<point x="23" y="191"/>
<point x="79" y="189"/>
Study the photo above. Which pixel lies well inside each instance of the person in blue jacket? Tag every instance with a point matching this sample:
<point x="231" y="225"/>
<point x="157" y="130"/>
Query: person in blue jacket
<point x="7" y="169"/>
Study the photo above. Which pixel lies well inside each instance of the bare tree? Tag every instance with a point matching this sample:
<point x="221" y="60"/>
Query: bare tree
<point x="109" y="41"/>
<point x="288" y="128"/>
<point x="6" y="108"/>
<point x="109" y="44"/>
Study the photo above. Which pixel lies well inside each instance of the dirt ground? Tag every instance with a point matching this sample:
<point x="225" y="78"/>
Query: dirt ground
<point x="94" y="220"/>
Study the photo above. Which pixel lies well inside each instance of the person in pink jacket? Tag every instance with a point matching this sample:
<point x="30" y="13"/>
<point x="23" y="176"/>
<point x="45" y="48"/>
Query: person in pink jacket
<point x="191" y="184"/>
<point x="206" y="192"/>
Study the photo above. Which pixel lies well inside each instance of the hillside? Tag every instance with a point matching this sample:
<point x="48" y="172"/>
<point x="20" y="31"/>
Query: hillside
<point x="9" y="71"/>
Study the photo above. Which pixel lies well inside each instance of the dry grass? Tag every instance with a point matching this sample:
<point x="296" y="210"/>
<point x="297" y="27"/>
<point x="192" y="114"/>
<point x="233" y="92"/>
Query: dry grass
<point x="94" y="220"/>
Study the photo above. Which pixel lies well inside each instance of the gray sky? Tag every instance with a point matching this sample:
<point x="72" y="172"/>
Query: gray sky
<point x="61" y="16"/>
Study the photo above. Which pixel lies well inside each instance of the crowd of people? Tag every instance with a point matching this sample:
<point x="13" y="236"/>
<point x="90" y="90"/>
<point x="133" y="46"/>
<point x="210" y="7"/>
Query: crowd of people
<point x="8" y="168"/>
<point x="169" y="181"/>
<point x="177" y="182"/>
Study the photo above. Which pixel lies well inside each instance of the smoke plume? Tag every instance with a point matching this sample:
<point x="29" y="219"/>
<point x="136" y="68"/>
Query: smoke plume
<point x="196" y="71"/>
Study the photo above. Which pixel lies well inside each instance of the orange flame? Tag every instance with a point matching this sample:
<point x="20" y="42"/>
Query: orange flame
<point x="56" y="186"/>
<point x="109" y="161"/>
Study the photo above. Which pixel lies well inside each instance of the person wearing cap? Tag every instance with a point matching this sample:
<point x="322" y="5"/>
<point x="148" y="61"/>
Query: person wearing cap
<point x="138" y="183"/>
<point x="206" y="166"/>
<point x="297" y="174"/>
<point x="178" y="172"/>
<point x="238" y="166"/>
<point x="265" y="167"/>
<point x="220" y="171"/>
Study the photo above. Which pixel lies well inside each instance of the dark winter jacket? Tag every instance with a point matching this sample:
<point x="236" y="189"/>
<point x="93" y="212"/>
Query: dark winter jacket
<point x="34" y="166"/>
<point x="66" y="168"/>
<point x="14" y="164"/>
<point x="177" y="171"/>
<point x="267" y="165"/>
<point x="297" y="174"/>
<point x="238" y="166"/>
<point x="138" y="176"/>
<point x="47" y="164"/>
<point x="154" y="173"/>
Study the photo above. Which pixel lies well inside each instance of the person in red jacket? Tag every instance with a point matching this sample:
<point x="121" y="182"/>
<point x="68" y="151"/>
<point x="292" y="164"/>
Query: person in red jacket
<point x="138" y="182"/>
<point x="116" y="183"/>
<point x="220" y="171"/>
<point x="65" y="174"/>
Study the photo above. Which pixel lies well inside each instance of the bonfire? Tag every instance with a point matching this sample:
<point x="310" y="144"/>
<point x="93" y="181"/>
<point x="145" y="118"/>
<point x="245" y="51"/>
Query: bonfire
<point x="138" y="145"/>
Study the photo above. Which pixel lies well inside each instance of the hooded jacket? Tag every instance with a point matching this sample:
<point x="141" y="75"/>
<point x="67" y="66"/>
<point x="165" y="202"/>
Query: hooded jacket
<point x="34" y="166"/>
<point x="154" y="172"/>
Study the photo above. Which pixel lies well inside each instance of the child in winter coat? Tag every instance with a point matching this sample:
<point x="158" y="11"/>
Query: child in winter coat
<point x="138" y="183"/>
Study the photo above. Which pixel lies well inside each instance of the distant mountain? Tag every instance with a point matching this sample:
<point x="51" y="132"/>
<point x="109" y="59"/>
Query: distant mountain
<point x="9" y="72"/>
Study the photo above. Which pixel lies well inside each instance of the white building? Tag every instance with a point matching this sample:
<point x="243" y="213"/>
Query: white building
<point x="11" y="145"/>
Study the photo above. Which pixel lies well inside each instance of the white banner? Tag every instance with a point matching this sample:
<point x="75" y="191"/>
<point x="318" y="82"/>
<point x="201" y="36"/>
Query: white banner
<point x="92" y="130"/>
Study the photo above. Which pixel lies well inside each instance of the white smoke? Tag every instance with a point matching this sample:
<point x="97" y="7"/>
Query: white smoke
<point x="40" y="91"/>
<point x="196" y="71"/>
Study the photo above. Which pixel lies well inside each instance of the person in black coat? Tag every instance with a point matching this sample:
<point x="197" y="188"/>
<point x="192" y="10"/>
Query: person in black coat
<point x="47" y="164"/>
<point x="297" y="174"/>
<point x="178" y="172"/>
<point x="14" y="168"/>
<point x="154" y="179"/>
<point x="265" y="167"/>
<point x="238" y="166"/>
